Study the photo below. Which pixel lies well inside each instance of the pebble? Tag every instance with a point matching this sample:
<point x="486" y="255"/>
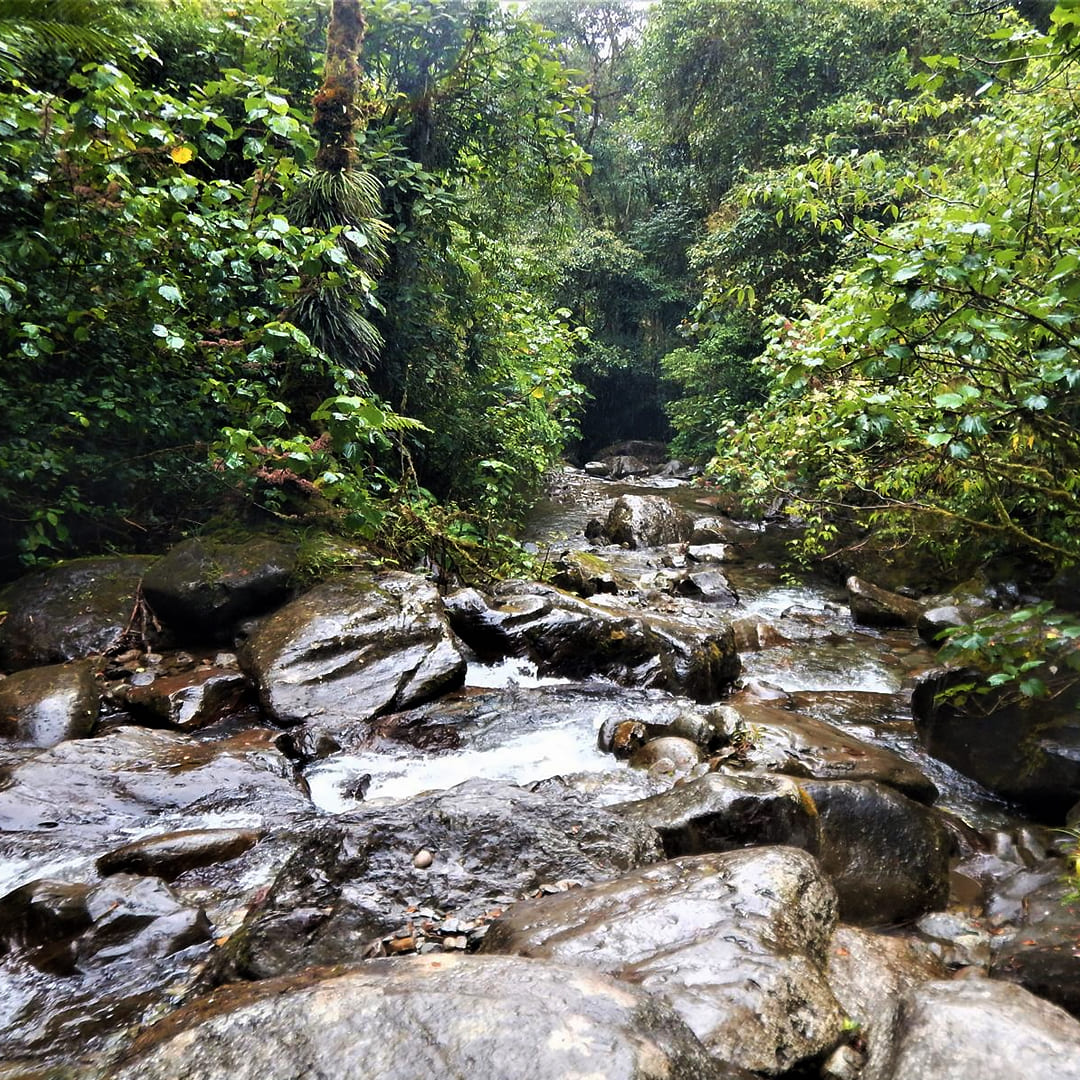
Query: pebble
<point x="423" y="859"/>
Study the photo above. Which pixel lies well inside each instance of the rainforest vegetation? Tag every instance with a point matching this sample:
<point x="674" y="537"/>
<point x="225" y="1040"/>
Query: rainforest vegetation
<point x="373" y="266"/>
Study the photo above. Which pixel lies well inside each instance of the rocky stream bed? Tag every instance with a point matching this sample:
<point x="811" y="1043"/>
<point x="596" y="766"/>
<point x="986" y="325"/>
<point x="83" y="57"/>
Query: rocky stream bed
<point x="662" y="817"/>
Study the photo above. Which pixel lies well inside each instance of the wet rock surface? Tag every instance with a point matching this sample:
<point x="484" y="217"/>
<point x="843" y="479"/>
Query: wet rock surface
<point x="647" y="521"/>
<point x="70" y="611"/>
<point x="735" y="941"/>
<point x="486" y="1018"/>
<point x="356" y="880"/>
<point x="352" y="648"/>
<point x="45" y="705"/>
<point x="201" y="588"/>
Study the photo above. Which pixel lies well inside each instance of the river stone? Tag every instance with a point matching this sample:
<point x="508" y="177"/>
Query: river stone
<point x="572" y="638"/>
<point x="981" y="1028"/>
<point x="735" y="941"/>
<point x="354" y="879"/>
<point x="790" y="742"/>
<point x="868" y="973"/>
<point x="718" y="813"/>
<point x="873" y="606"/>
<point x="586" y="574"/>
<point x="682" y="754"/>
<point x="41" y="912"/>
<point x="45" y="705"/>
<point x="709" y="586"/>
<point x="887" y="855"/>
<point x="190" y="700"/>
<point x="711" y="530"/>
<point x="647" y="521"/>
<point x="1042" y="955"/>
<point x="87" y="785"/>
<point x="352" y="648"/>
<point x="480" y="1017"/>
<point x="1025" y="750"/>
<point x="69" y="611"/>
<point x="171" y="854"/>
<point x="202" y="587"/>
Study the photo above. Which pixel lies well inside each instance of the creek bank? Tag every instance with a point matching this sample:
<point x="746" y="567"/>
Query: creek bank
<point x="409" y="788"/>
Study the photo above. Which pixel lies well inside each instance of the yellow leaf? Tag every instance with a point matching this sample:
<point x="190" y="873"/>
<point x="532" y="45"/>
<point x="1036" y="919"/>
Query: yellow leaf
<point x="181" y="155"/>
<point x="538" y="392"/>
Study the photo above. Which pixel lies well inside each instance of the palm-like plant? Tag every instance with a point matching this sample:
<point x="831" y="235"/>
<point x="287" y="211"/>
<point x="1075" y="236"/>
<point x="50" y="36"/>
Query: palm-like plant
<point x="30" y="29"/>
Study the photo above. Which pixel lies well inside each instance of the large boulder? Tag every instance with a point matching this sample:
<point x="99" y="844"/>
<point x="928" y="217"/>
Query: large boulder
<point x="736" y="942"/>
<point x="46" y="705"/>
<point x="887" y="855"/>
<point x="353" y="648"/>
<point x="874" y="606"/>
<point x="358" y="878"/>
<point x="485" y="1018"/>
<point x="202" y="587"/>
<point x="1026" y="750"/>
<point x="72" y="610"/>
<point x="572" y="638"/>
<point x="718" y="813"/>
<point x="647" y="521"/>
<point x="981" y="1028"/>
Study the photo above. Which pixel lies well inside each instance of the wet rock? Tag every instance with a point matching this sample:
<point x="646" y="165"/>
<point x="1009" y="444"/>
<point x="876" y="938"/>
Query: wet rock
<point x="868" y="973"/>
<point x="352" y="648"/>
<point x="192" y="700"/>
<point x="736" y="942"/>
<point x="596" y="468"/>
<point x="648" y="450"/>
<point x="647" y="521"/>
<point x="711" y="530"/>
<point x="354" y="880"/>
<point x="960" y="1030"/>
<point x="625" y="465"/>
<point x="988" y="736"/>
<point x="70" y="611"/>
<point x="719" y="813"/>
<point x="1042" y="955"/>
<point x="137" y="918"/>
<point x="682" y="754"/>
<point x="586" y="574"/>
<point x="172" y="854"/>
<point x="485" y="1018"/>
<point x="45" y="705"/>
<point x="713" y="553"/>
<point x="42" y="912"/>
<point x="133" y="773"/>
<point x="202" y="587"/>
<point x="887" y="856"/>
<point x="576" y="639"/>
<point x="709" y="586"/>
<point x="873" y="606"/>
<point x="972" y="600"/>
<point x="960" y="940"/>
<point x="788" y="742"/>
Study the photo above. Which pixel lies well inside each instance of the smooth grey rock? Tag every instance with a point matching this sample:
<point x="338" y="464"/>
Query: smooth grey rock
<point x="887" y="855"/>
<point x="44" y="706"/>
<point x="192" y="700"/>
<point x="711" y="530"/>
<point x="719" y="812"/>
<point x="70" y="611"/>
<point x="873" y="606"/>
<point x="736" y="942"/>
<point x="169" y="855"/>
<point x="647" y="521"/>
<point x="425" y="1018"/>
<point x="352" y="648"/>
<point x="981" y="1028"/>
<point x="202" y="587"/>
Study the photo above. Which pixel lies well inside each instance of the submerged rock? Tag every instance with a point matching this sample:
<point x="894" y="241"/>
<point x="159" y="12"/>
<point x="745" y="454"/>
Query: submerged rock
<point x="485" y="1018"/>
<point x="72" y="610"/>
<point x="352" y="648"/>
<point x="44" y="706"/>
<point x="736" y="942"/>
<point x="202" y="587"/>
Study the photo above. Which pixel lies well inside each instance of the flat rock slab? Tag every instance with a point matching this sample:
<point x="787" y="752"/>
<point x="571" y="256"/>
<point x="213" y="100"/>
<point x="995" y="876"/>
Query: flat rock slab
<point x="72" y="610"/>
<point x="736" y="942"/>
<point x="985" y="1029"/>
<point x="357" y="878"/>
<point x="353" y="648"/>
<point x="426" y="1018"/>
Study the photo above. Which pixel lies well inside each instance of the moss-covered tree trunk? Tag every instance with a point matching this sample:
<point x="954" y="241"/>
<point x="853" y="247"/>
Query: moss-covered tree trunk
<point x="336" y="111"/>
